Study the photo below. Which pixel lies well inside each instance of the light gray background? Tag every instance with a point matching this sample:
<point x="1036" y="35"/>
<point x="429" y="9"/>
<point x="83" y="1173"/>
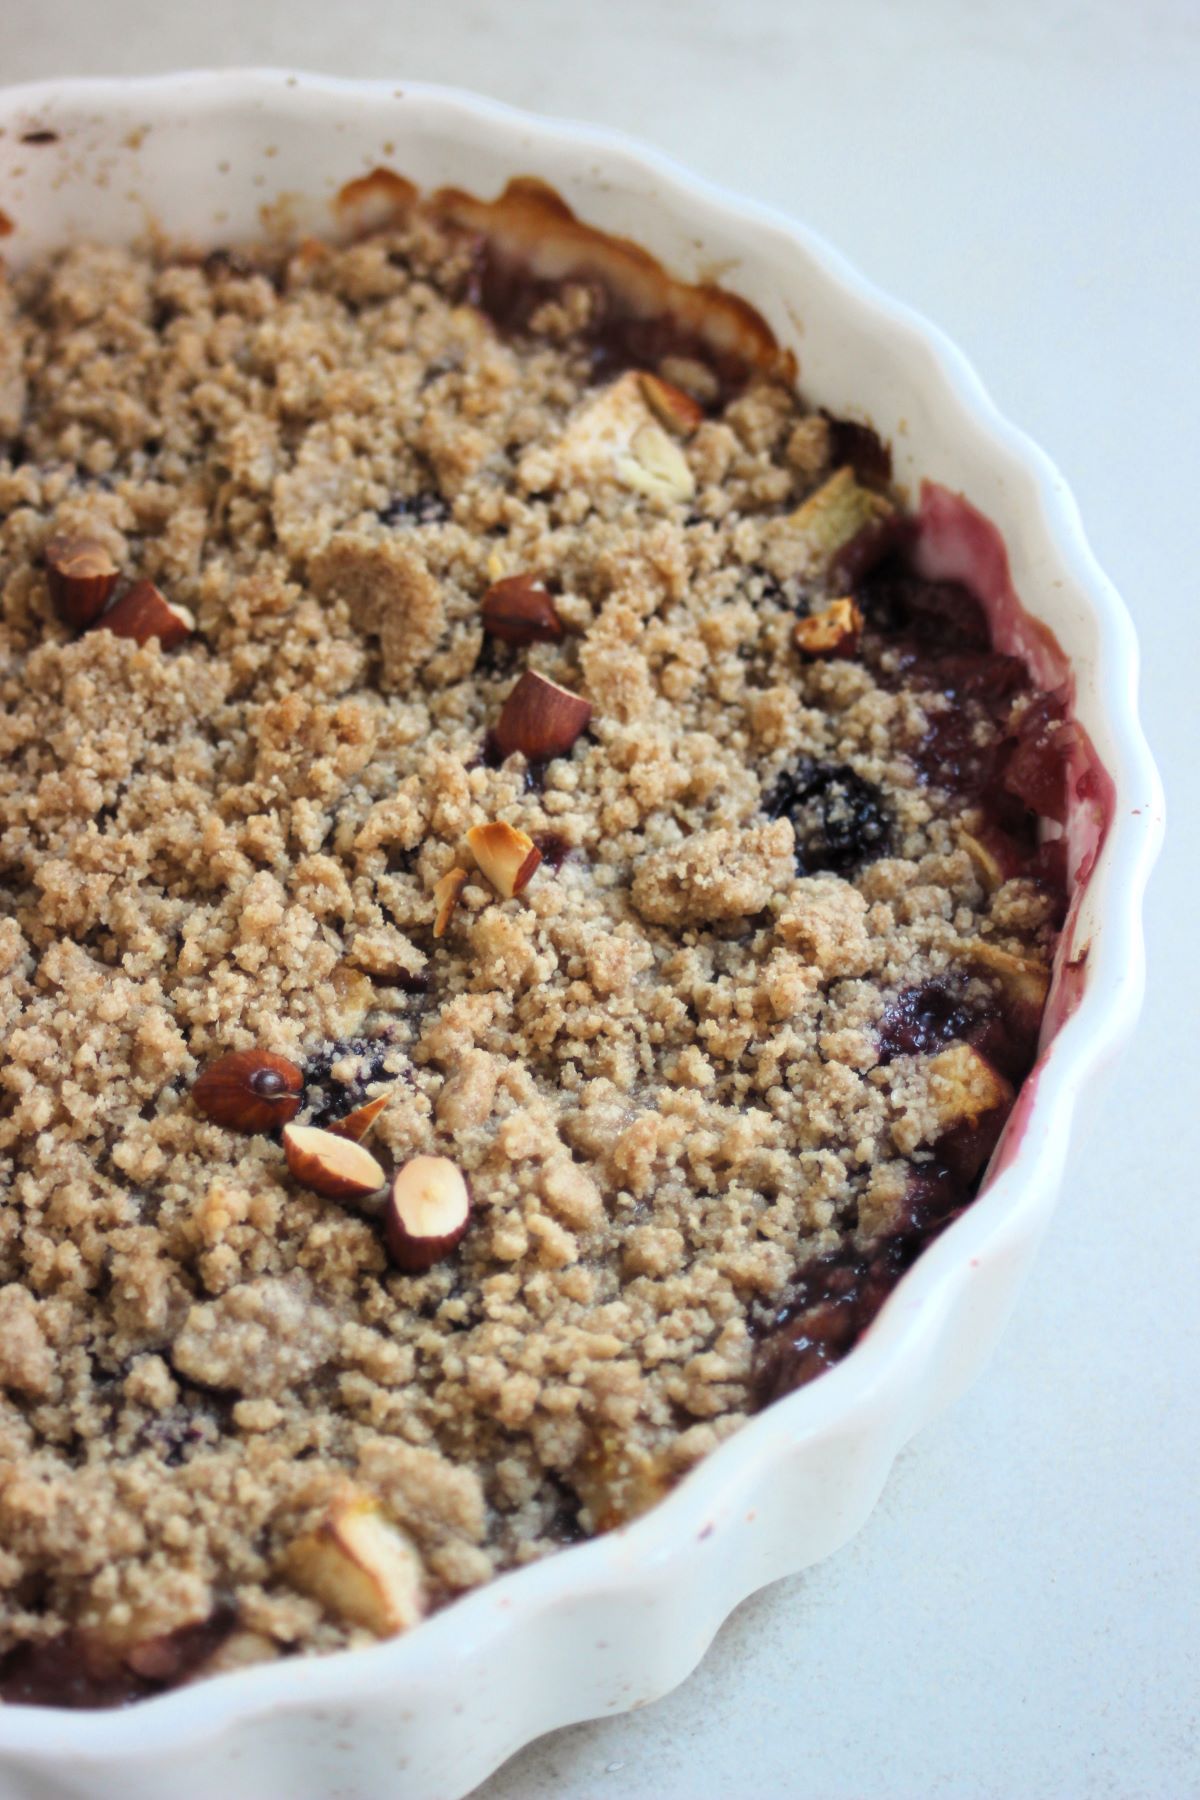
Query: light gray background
<point x="1019" y="1618"/>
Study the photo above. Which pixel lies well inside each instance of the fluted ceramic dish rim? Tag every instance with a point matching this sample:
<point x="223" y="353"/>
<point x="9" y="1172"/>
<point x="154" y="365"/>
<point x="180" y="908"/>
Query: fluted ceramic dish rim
<point x="1010" y="1212"/>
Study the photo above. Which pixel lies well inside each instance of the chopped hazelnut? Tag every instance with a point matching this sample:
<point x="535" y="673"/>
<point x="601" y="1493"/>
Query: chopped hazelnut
<point x="834" y="631"/>
<point x="81" y="575"/>
<point x="356" y="1124"/>
<point x="331" y="1164"/>
<point x="142" y="613"/>
<point x="446" y="893"/>
<point x="518" y="610"/>
<point x="427" y="1213"/>
<point x="506" y="856"/>
<point x="540" y="719"/>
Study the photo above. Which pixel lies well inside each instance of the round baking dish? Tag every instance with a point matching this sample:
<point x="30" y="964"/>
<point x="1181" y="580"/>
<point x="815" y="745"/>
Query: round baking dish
<point x="218" y="158"/>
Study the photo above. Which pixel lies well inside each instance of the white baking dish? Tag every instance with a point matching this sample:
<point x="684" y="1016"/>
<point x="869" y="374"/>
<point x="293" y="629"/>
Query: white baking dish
<point x="613" y="1623"/>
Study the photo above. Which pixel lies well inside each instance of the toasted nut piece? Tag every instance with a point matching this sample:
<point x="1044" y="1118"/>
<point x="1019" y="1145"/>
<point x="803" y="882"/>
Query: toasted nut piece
<point x="331" y="1165"/>
<point x="836" y="513"/>
<point x="81" y="575"/>
<point x="671" y="406"/>
<point x="446" y="893"/>
<point x="834" y="631"/>
<point x="361" y="1568"/>
<point x="540" y="718"/>
<point x="507" y="857"/>
<point x="1024" y="981"/>
<point x="250" y="1090"/>
<point x="427" y="1212"/>
<point x="519" y="611"/>
<point x="356" y="1124"/>
<point x="143" y="613"/>
<point x="657" y="466"/>
<point x="963" y="1086"/>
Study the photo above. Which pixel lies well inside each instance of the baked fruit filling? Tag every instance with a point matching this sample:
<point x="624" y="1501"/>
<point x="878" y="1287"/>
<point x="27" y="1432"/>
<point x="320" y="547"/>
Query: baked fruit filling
<point x="521" y="915"/>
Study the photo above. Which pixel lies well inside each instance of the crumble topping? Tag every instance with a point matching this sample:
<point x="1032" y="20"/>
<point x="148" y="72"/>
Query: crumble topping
<point x="683" y="1067"/>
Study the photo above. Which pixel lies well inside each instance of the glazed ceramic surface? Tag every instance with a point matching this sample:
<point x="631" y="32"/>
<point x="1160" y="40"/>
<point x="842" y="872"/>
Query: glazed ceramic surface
<point x="219" y="159"/>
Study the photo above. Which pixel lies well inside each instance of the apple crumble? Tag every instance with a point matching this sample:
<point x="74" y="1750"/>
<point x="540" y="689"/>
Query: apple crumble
<point x="520" y="914"/>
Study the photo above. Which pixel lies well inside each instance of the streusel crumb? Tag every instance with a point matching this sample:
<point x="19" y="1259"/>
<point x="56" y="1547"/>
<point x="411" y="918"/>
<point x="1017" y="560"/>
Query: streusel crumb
<point x="682" y="1069"/>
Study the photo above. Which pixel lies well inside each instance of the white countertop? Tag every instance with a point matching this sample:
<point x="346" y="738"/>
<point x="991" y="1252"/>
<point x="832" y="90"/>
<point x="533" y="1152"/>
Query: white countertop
<point x="1019" y="1617"/>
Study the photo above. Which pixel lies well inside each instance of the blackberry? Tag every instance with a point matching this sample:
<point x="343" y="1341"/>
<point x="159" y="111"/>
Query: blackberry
<point x="840" y="820"/>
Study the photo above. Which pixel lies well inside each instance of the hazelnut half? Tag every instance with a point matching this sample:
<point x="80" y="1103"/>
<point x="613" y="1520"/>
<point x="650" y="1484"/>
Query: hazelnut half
<point x="250" y="1090"/>
<point x="518" y="610"/>
<point x="337" y="1167"/>
<point x="143" y="612"/>
<point x="427" y="1212"/>
<point x="540" y="719"/>
<point x="81" y="575"/>
<point x="834" y="631"/>
<point x="506" y="856"/>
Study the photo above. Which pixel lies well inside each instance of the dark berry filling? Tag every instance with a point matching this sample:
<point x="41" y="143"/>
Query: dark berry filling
<point x="994" y="744"/>
<point x="1005" y="751"/>
<point x="332" y="1099"/>
<point x="834" y="1298"/>
<point x="1034" y="770"/>
<point x="868" y="548"/>
<point x="68" y="1671"/>
<point x="922" y="1020"/>
<point x="861" y="447"/>
<point x="554" y="848"/>
<point x="936" y="617"/>
<point x="840" y="820"/>
<point x="615" y="337"/>
<point x="415" y="509"/>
